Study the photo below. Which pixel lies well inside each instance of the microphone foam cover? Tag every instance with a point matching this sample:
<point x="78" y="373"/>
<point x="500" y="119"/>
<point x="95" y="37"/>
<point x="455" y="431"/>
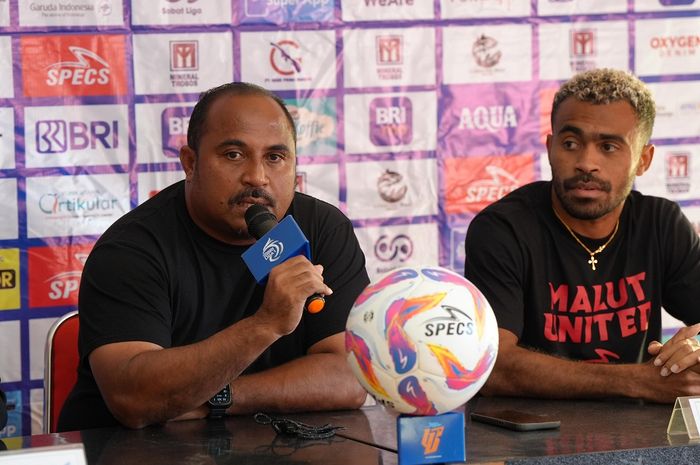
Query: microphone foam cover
<point x="259" y="220"/>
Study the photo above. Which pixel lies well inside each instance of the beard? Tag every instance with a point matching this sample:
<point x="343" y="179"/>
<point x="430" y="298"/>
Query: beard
<point x="589" y="209"/>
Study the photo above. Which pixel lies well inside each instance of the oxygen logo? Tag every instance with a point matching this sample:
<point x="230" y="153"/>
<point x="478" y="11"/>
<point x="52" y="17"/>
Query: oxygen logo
<point x="272" y="251"/>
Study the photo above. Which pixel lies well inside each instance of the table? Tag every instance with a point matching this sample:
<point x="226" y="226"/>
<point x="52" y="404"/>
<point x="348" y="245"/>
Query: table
<point x="607" y="432"/>
<point x="613" y="431"/>
<point x="235" y="440"/>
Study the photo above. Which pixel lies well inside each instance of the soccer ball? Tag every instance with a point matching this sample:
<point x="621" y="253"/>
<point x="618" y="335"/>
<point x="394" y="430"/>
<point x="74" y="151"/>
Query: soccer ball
<point x="421" y="340"/>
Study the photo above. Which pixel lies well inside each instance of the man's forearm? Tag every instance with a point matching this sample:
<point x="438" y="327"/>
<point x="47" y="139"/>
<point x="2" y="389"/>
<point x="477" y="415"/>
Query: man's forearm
<point x="319" y="381"/>
<point x="158" y="385"/>
<point x="522" y="372"/>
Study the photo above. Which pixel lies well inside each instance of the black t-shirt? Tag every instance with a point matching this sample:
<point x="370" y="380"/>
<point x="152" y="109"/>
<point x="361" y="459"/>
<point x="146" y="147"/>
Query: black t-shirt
<point x="541" y="287"/>
<point x="155" y="276"/>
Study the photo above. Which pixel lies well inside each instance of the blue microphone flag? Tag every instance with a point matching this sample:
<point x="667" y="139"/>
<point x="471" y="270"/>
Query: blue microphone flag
<point x="283" y="241"/>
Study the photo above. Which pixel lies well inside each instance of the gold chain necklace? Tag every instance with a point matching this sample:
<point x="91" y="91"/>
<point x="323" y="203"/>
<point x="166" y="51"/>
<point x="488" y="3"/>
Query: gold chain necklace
<point x="592" y="261"/>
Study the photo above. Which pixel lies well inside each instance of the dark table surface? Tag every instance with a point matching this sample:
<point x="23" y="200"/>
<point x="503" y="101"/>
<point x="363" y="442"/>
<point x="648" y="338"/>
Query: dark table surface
<point x="614" y="431"/>
<point x="591" y="432"/>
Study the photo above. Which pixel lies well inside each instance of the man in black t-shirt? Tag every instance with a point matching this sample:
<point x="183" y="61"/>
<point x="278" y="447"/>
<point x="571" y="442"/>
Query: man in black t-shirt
<point x="173" y="324"/>
<point x="578" y="269"/>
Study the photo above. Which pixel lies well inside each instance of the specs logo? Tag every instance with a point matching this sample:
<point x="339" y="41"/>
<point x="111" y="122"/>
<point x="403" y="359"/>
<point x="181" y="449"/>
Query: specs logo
<point x="80" y="71"/>
<point x="59" y="136"/>
<point x="272" y="251"/>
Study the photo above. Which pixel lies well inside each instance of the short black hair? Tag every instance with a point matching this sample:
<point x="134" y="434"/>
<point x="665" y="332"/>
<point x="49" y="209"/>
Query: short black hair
<point x="206" y="98"/>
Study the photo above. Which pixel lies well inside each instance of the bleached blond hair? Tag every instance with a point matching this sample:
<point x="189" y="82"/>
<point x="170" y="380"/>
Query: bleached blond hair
<point x="603" y="86"/>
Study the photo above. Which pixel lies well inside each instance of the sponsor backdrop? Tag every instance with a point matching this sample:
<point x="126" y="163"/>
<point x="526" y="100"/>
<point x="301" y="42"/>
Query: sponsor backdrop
<point x="412" y="115"/>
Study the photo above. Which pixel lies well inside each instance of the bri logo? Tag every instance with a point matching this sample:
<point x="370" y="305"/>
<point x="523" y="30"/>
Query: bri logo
<point x="431" y="438"/>
<point x="391" y="121"/>
<point x="59" y="136"/>
<point x="174" y="122"/>
<point x="272" y="251"/>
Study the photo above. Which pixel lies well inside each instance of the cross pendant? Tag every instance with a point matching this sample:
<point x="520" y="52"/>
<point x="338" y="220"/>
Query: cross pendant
<point x="592" y="262"/>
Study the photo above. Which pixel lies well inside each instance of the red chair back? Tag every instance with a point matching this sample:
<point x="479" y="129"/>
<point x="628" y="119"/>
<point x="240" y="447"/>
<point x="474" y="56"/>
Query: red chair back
<point x="60" y="367"/>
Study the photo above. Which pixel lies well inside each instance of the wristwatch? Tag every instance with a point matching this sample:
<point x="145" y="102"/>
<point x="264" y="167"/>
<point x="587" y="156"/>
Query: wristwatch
<point x="221" y="401"/>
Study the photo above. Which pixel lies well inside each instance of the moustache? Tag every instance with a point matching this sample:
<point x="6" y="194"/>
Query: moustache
<point x="587" y="180"/>
<point x="255" y="193"/>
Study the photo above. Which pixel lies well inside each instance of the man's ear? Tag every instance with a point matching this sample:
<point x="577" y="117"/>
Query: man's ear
<point x="188" y="160"/>
<point x="645" y="159"/>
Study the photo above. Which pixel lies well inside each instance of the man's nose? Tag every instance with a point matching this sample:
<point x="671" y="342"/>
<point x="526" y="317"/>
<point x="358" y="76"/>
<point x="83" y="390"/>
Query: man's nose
<point x="255" y="173"/>
<point x="587" y="158"/>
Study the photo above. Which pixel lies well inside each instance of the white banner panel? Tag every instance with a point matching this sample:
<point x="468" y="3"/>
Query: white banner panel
<point x="4" y="13"/>
<point x="182" y="63"/>
<point x="390" y="247"/>
<point x="384" y="189"/>
<point x="391" y="57"/>
<point x="693" y="214"/>
<point x="8" y="209"/>
<point x="569" y="48"/>
<point x="320" y="181"/>
<point x="484" y="8"/>
<point x="7" y="138"/>
<point x="377" y="10"/>
<point x="52" y="13"/>
<point x="162" y="12"/>
<point x="666" y="5"/>
<point x="667" y="46"/>
<point x="152" y="182"/>
<point x="288" y="60"/>
<point x="677" y="109"/>
<point x="6" y="83"/>
<point x="580" y="7"/>
<point x="487" y="53"/>
<point x="674" y="173"/>
<point x="390" y="122"/>
<point x="11" y="354"/>
<point x="161" y="129"/>
<point x="89" y="135"/>
<point x="38" y="329"/>
<point x="75" y="205"/>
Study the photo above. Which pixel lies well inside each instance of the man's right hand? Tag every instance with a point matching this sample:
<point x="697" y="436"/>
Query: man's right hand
<point x="289" y="284"/>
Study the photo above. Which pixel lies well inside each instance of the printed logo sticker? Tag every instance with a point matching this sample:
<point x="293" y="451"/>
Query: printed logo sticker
<point x="391" y="121"/>
<point x="473" y="183"/>
<point x="9" y="279"/>
<point x="54" y="274"/>
<point x="73" y="65"/>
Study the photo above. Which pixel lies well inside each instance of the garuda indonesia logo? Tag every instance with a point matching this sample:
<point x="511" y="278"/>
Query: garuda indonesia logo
<point x="272" y="251"/>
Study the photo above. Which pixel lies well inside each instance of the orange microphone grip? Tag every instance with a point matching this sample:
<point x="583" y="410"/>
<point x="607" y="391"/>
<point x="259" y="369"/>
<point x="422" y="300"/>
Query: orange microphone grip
<point x="315" y="303"/>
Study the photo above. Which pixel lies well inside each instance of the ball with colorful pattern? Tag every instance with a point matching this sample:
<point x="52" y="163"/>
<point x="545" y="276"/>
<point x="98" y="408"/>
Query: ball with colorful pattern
<point x="421" y="340"/>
